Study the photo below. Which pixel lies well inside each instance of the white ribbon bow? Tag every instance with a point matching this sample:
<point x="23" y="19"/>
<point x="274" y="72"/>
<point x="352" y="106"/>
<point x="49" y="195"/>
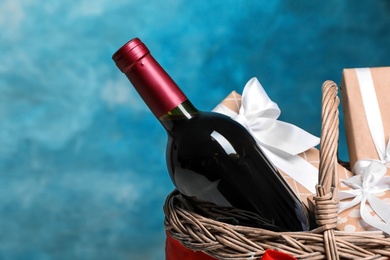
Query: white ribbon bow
<point x="280" y="141"/>
<point x="364" y="187"/>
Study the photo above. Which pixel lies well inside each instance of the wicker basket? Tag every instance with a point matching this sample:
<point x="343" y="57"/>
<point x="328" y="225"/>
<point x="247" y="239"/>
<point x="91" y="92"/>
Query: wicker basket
<point x="225" y="241"/>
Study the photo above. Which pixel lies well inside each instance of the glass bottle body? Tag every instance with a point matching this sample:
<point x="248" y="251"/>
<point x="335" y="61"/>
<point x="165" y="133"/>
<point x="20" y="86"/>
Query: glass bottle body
<point x="212" y="158"/>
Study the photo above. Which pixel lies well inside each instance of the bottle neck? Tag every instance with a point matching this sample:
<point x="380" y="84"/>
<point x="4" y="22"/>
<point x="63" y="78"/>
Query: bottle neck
<point x="151" y="81"/>
<point x="176" y="116"/>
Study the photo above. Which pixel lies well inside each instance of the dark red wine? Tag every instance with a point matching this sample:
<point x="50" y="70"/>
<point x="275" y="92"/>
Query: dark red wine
<point x="210" y="157"/>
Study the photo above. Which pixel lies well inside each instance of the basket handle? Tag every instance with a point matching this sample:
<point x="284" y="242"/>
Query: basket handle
<point x="326" y="199"/>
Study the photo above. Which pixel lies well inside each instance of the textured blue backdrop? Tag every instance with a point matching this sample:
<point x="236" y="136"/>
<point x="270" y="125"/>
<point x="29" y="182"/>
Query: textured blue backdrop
<point x="82" y="168"/>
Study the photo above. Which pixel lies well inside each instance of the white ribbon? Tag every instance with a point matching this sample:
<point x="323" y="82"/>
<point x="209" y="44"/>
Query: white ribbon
<point x="374" y="120"/>
<point x="370" y="173"/>
<point x="364" y="187"/>
<point x="373" y="113"/>
<point x="280" y="141"/>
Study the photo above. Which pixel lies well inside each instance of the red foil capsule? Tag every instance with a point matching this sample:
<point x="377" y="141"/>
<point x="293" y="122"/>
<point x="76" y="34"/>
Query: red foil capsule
<point x="152" y="82"/>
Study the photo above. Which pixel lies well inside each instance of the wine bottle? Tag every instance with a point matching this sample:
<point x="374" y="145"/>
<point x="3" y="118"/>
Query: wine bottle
<point x="210" y="157"/>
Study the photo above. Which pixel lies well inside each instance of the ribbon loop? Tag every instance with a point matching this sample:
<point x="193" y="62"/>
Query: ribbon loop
<point x="280" y="141"/>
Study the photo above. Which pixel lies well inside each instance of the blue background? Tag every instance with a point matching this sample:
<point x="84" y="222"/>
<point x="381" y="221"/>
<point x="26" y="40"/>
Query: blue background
<point x="82" y="167"/>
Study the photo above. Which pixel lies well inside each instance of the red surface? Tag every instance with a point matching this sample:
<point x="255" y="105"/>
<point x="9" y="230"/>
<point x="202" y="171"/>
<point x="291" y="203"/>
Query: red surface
<point x="276" y="255"/>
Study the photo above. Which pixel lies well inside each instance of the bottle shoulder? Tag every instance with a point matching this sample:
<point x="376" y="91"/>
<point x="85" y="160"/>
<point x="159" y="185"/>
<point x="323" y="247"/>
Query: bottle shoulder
<point x="210" y="120"/>
<point x="208" y="126"/>
<point x="208" y="132"/>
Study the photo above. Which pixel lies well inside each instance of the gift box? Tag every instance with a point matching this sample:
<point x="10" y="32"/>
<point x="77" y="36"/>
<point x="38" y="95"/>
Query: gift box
<point x="365" y="199"/>
<point x="372" y="84"/>
<point x="296" y="158"/>
<point x="233" y="102"/>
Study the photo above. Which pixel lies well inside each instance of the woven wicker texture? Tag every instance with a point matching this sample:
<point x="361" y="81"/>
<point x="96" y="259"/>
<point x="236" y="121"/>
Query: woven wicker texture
<point x="225" y="241"/>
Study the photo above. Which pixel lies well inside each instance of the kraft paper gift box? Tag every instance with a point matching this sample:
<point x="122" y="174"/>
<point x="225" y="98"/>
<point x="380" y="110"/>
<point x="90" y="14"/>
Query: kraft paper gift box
<point x="365" y="94"/>
<point x="233" y="102"/>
